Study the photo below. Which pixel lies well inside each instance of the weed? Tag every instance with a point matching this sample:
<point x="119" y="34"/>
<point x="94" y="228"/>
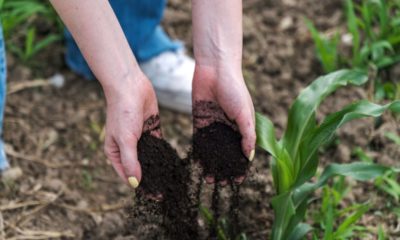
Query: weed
<point x="334" y="222"/>
<point x="87" y="180"/>
<point x="221" y="226"/>
<point x="393" y="137"/>
<point x="20" y="20"/>
<point x="388" y="182"/>
<point x="373" y="30"/>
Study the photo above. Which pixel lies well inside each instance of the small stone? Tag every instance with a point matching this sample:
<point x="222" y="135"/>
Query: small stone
<point x="12" y="174"/>
<point x="347" y="39"/>
<point x="344" y="152"/>
<point x="55" y="185"/>
<point x="286" y="23"/>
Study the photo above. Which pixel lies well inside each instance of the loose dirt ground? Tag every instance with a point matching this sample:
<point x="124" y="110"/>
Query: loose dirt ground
<point x="68" y="190"/>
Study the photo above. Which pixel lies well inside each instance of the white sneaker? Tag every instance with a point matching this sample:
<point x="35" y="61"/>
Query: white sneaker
<point x="171" y="74"/>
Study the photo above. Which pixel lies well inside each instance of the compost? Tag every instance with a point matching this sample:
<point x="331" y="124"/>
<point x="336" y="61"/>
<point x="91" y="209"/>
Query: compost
<point x="218" y="149"/>
<point x="168" y="176"/>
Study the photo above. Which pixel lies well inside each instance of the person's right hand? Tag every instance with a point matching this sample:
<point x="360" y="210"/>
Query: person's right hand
<point x="129" y="105"/>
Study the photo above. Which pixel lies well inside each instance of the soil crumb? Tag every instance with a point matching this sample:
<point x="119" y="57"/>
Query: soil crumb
<point x="166" y="175"/>
<point x="218" y="149"/>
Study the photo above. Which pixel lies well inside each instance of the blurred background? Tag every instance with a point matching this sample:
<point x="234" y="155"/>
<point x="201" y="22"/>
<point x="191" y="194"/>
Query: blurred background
<point x="62" y="187"/>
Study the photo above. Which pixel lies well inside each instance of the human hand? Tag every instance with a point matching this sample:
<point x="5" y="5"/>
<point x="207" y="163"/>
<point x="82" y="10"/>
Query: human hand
<point x="220" y="95"/>
<point x="131" y="110"/>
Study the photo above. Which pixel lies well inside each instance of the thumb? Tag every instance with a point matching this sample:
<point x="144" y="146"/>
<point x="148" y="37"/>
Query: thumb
<point x="246" y="126"/>
<point x="129" y="160"/>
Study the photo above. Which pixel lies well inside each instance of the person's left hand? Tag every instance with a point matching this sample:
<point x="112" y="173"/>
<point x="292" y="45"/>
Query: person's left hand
<point x="224" y="86"/>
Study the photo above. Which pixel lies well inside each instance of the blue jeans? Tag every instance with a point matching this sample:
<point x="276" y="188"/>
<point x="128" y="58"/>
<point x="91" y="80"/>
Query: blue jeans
<point x="3" y="92"/>
<point x="140" y="20"/>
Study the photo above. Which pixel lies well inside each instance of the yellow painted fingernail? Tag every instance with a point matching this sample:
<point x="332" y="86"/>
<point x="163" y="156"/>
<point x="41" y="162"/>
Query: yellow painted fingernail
<point x="252" y="153"/>
<point x="133" y="182"/>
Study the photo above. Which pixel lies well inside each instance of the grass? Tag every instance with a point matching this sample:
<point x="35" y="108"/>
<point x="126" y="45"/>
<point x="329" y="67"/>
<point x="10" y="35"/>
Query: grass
<point x="221" y="226"/>
<point x="29" y="26"/>
<point x="373" y="33"/>
<point x="388" y="183"/>
<point x="295" y="156"/>
<point x="334" y="221"/>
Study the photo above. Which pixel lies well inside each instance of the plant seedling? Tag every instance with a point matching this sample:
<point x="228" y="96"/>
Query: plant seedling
<point x="373" y="33"/>
<point x="295" y="157"/>
<point x="331" y="214"/>
<point x="221" y="226"/>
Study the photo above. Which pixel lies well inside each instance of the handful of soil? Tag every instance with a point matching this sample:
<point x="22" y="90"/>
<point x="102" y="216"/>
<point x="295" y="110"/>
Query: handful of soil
<point x="166" y="174"/>
<point x="218" y="149"/>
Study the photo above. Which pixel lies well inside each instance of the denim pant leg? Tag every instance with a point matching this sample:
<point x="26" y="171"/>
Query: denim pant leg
<point x="3" y="71"/>
<point x="140" y="20"/>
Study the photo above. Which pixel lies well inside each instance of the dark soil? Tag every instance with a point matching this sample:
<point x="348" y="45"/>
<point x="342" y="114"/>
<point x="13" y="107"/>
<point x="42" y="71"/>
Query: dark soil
<point x="218" y="149"/>
<point x="166" y="174"/>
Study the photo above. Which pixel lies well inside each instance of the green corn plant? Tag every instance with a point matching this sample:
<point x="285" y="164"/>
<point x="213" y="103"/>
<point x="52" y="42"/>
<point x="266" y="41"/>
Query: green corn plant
<point x="378" y="22"/>
<point x="16" y="13"/>
<point x="32" y="46"/>
<point x="19" y="20"/>
<point x="330" y="214"/>
<point x="374" y="27"/>
<point x="382" y="234"/>
<point x="393" y="137"/>
<point x="221" y="226"/>
<point x="388" y="182"/>
<point x="387" y="90"/>
<point x="295" y="156"/>
<point x="354" y="31"/>
<point x="326" y="48"/>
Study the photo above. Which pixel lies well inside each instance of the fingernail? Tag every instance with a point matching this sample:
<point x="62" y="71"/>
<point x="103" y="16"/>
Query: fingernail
<point x="251" y="157"/>
<point x="133" y="182"/>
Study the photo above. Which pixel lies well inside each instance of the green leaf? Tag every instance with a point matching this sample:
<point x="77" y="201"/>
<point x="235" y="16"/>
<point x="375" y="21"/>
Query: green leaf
<point x="283" y="211"/>
<point x="349" y="221"/>
<point x="207" y="215"/>
<point x="381" y="233"/>
<point x="281" y="165"/>
<point x="331" y="123"/>
<point x="266" y="135"/>
<point x="360" y="171"/>
<point x="362" y="155"/>
<point x="303" y="109"/>
<point x="394" y="137"/>
<point x="300" y="231"/>
<point x="326" y="48"/>
<point x="29" y="41"/>
<point x="353" y="29"/>
<point x="44" y="43"/>
<point x="329" y="215"/>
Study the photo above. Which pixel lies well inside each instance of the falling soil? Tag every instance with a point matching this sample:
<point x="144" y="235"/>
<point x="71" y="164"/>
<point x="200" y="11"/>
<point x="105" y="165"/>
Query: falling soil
<point x="167" y="190"/>
<point x="234" y="211"/>
<point x="165" y="174"/>
<point x="218" y="149"/>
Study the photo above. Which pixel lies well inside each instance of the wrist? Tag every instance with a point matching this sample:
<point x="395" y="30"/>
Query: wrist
<point x="222" y="71"/>
<point x="126" y="85"/>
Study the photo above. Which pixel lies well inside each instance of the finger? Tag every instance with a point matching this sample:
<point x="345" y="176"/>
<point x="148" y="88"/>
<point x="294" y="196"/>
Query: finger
<point x="246" y="126"/>
<point x="240" y="179"/>
<point x="152" y="125"/>
<point x="113" y="154"/>
<point x="224" y="183"/>
<point x="209" y="179"/>
<point x="129" y="159"/>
